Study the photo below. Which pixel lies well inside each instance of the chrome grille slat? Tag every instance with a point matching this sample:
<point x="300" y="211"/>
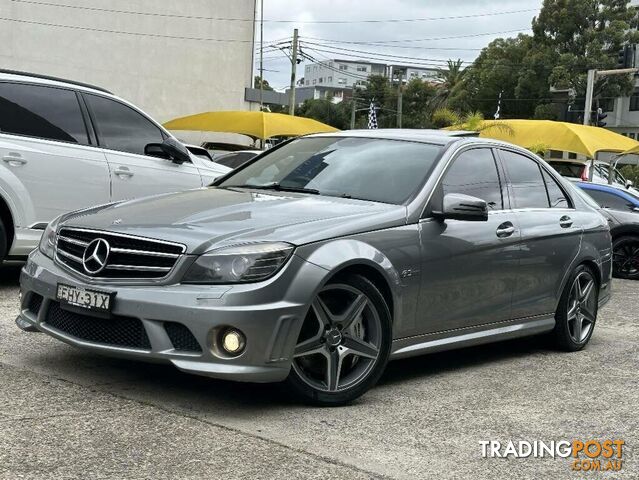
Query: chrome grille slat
<point x="73" y="241"/>
<point x="145" y="253"/>
<point x="129" y="257"/>
<point x="139" y="268"/>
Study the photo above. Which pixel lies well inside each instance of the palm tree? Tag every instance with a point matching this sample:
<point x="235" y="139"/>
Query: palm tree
<point x="449" y="79"/>
<point x="471" y="122"/>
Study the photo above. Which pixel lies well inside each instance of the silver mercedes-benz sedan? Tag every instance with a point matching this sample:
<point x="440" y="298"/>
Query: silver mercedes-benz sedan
<point x="325" y="258"/>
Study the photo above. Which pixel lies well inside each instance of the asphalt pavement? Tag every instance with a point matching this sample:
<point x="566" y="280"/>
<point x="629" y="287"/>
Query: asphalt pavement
<point x="66" y="413"/>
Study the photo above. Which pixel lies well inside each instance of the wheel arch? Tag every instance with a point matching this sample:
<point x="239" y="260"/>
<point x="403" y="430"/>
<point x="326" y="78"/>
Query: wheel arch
<point x="624" y="230"/>
<point x="7" y="220"/>
<point x="341" y="257"/>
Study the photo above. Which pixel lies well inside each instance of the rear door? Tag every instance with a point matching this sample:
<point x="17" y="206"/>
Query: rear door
<point x="123" y="132"/>
<point x="46" y="152"/>
<point x="550" y="233"/>
<point x="469" y="268"/>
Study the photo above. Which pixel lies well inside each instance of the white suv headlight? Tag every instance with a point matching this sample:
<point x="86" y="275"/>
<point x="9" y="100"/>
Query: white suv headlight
<point x="48" y="240"/>
<point x="239" y="264"/>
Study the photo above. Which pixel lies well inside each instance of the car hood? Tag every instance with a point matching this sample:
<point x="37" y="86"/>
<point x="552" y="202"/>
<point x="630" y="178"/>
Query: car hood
<point x="208" y="218"/>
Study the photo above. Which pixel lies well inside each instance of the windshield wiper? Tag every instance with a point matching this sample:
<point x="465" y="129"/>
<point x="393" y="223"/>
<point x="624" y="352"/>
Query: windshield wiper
<point x="279" y="188"/>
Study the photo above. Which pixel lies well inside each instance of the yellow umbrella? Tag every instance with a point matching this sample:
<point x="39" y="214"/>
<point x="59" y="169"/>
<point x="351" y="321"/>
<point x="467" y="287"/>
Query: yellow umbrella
<point x="567" y="137"/>
<point x="632" y="151"/>
<point x="261" y="125"/>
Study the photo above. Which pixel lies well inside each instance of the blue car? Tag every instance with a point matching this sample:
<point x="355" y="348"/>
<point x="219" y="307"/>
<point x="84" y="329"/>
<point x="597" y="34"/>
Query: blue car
<point x="622" y="210"/>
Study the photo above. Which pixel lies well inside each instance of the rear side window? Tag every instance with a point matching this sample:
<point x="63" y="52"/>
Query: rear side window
<point x="555" y="193"/>
<point x="474" y="173"/>
<point x="43" y="112"/>
<point x="120" y="127"/>
<point x="528" y="187"/>
<point x="610" y="200"/>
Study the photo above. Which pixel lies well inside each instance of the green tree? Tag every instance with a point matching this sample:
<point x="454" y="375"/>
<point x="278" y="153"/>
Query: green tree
<point x="417" y="97"/>
<point x="325" y="111"/>
<point x="450" y="82"/>
<point x="265" y="84"/>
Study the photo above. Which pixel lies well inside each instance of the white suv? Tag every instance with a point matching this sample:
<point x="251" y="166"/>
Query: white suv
<point x="66" y="145"/>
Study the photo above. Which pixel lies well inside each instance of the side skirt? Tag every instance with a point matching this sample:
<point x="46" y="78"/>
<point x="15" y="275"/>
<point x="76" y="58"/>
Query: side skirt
<point x="452" y="339"/>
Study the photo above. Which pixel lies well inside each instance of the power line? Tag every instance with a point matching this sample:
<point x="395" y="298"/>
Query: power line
<point x="412" y="40"/>
<point x="335" y="22"/>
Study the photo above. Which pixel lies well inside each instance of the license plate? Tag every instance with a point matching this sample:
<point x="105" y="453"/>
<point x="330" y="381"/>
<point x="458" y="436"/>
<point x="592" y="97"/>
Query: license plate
<point x="84" y="298"/>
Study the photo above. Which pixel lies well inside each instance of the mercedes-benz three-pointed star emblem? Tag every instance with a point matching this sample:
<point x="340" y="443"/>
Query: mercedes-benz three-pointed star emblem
<point x="95" y="256"/>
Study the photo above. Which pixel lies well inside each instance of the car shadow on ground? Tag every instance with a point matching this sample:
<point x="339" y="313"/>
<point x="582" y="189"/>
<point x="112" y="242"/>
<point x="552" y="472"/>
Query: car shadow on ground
<point x="10" y="275"/>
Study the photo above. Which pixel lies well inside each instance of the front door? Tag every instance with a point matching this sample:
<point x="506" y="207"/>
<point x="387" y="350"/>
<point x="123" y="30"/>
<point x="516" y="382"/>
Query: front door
<point x="469" y="268"/>
<point x="123" y="133"/>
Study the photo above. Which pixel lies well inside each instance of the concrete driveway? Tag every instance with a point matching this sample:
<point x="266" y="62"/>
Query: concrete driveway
<point x="65" y="413"/>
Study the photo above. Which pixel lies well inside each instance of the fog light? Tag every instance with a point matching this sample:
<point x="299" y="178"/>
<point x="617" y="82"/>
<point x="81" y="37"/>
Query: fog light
<point x="233" y="341"/>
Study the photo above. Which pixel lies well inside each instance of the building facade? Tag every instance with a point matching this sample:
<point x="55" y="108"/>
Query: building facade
<point x="169" y="58"/>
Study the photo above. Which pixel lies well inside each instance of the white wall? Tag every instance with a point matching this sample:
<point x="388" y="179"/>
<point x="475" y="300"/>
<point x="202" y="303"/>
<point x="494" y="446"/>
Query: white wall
<point x="166" y="77"/>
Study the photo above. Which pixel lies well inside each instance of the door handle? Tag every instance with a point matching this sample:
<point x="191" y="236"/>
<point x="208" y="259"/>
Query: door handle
<point x="14" y="159"/>
<point x="123" y="172"/>
<point x="565" y="222"/>
<point x="504" y="230"/>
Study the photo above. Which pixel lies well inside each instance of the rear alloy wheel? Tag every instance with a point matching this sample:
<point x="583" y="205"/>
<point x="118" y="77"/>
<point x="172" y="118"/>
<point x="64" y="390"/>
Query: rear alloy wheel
<point x="625" y="257"/>
<point x="344" y="343"/>
<point x="577" y="312"/>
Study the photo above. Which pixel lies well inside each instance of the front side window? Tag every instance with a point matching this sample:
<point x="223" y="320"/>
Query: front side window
<point x="43" y="112"/>
<point x="527" y="183"/>
<point x="474" y="173"/>
<point x="120" y="127"/>
<point x="388" y="171"/>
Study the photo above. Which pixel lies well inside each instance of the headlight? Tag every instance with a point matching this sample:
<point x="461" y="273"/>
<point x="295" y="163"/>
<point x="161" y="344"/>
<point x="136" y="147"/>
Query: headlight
<point x="239" y="264"/>
<point x="48" y="240"/>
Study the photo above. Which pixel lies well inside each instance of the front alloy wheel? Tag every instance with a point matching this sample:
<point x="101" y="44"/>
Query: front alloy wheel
<point x="344" y="343"/>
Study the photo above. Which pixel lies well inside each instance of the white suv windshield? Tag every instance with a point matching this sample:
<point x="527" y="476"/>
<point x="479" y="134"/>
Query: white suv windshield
<point x="388" y="171"/>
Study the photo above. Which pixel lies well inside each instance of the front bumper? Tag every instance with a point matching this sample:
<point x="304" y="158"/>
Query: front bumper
<point x="269" y="313"/>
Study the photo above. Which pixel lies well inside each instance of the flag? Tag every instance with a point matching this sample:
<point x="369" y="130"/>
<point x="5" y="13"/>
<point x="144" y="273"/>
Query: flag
<point x="498" y="106"/>
<point x="372" y="117"/>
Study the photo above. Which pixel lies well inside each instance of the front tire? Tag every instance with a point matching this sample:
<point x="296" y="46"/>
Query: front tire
<point x="577" y="311"/>
<point x="344" y="343"/>
<point x="3" y="242"/>
<point x="625" y="257"/>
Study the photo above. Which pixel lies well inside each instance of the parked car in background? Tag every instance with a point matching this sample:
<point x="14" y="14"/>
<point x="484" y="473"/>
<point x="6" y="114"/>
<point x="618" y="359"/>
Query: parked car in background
<point x="200" y="152"/>
<point x="320" y="261"/>
<point x="622" y="210"/>
<point x="66" y="145"/>
<point x="236" y="159"/>
<point x="580" y="170"/>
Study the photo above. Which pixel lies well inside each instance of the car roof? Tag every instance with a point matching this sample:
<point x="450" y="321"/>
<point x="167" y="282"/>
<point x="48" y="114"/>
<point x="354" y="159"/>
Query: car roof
<point x="48" y="80"/>
<point x="437" y="137"/>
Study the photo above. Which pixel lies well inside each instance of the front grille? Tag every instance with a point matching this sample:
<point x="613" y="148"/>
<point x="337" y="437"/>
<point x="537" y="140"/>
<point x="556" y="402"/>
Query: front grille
<point x="115" y="331"/>
<point x="34" y="303"/>
<point x="181" y="337"/>
<point x="128" y="257"/>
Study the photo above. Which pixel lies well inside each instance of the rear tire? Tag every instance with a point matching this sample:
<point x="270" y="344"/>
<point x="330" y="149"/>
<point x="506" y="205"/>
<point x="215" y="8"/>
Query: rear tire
<point x="344" y="343"/>
<point x="625" y="256"/>
<point x="577" y="311"/>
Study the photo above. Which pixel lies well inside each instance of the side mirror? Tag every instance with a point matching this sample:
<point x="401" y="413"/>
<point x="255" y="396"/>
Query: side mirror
<point x="169" y="149"/>
<point x="457" y="206"/>
<point x="629" y="183"/>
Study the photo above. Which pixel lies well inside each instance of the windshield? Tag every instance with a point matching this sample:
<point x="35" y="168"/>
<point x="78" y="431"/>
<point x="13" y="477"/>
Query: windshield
<point x="388" y="171"/>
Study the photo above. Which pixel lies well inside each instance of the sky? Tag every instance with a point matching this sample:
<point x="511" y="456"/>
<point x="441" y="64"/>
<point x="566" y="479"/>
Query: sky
<point x="383" y="37"/>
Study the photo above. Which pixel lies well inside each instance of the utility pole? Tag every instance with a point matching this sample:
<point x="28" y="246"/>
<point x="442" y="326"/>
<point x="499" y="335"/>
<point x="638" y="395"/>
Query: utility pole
<point x="291" y="98"/>
<point x="353" y="110"/>
<point x="399" y="98"/>
<point x="593" y="75"/>
<point x="261" y="55"/>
